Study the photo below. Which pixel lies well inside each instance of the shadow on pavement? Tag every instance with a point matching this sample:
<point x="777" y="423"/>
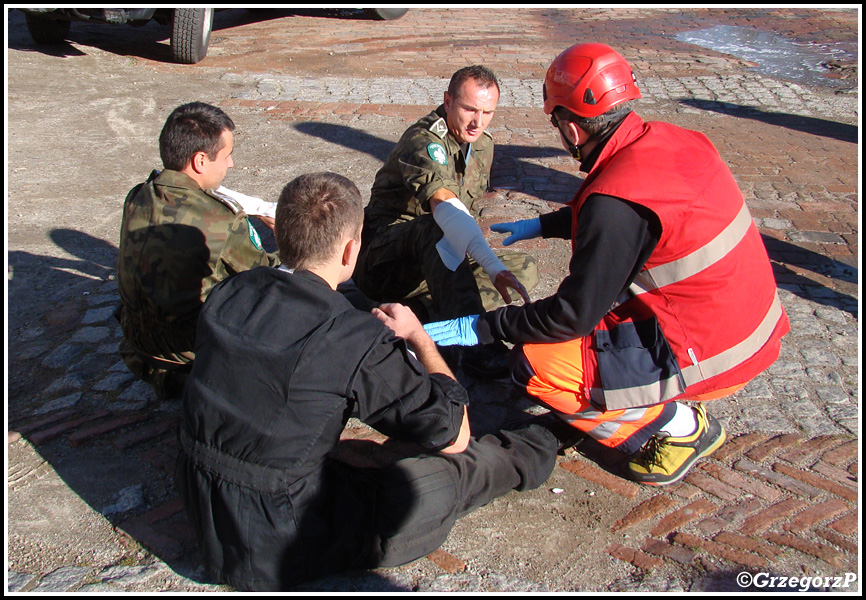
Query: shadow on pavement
<point x="785" y="254"/>
<point x="35" y="280"/>
<point x="348" y="137"/>
<point x="822" y="127"/>
<point x="511" y="167"/>
<point x="111" y="443"/>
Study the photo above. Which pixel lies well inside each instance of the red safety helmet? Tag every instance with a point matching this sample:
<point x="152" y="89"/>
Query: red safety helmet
<point x="589" y="80"/>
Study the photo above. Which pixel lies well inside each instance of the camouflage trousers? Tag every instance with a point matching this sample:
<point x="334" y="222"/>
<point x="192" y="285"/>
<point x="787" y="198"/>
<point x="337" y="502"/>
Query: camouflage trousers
<point x="168" y="384"/>
<point x="164" y="371"/>
<point x="400" y="263"/>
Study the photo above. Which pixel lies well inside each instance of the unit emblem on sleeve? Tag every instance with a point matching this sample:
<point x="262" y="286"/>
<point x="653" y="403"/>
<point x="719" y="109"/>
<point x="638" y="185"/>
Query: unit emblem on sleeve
<point x="437" y="153"/>
<point x="254" y="237"/>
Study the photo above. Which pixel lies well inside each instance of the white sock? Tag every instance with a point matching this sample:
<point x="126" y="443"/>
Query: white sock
<point x="683" y="423"/>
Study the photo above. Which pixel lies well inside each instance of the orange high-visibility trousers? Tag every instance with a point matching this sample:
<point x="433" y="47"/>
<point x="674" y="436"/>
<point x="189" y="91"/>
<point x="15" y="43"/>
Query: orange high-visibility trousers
<point x="556" y="379"/>
<point x="554" y="374"/>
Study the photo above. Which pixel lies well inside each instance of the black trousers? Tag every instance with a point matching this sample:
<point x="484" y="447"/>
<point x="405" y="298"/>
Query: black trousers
<point x="419" y="499"/>
<point x="352" y="517"/>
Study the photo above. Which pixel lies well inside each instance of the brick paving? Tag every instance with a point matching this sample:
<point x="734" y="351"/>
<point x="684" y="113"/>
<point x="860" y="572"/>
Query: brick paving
<point x="752" y="539"/>
<point x="781" y="496"/>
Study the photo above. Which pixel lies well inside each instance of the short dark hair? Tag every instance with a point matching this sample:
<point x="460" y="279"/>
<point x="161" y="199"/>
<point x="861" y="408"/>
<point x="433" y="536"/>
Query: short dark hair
<point x="595" y="125"/>
<point x="313" y="213"/>
<point x="191" y="128"/>
<point x="481" y="74"/>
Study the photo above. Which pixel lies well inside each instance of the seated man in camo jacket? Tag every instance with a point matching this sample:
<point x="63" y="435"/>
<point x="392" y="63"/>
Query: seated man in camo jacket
<point x="180" y="237"/>
<point x="422" y="246"/>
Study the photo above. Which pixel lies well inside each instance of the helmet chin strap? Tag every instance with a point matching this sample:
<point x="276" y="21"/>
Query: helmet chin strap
<point x="601" y="136"/>
<point x="574" y="150"/>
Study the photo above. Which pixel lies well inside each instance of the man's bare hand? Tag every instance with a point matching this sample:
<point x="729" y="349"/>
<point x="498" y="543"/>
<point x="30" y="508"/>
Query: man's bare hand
<point x="401" y="320"/>
<point x="505" y="280"/>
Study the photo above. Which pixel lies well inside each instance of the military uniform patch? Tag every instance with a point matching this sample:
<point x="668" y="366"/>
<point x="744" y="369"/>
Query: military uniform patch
<point x="437" y="153"/>
<point x="254" y="236"/>
<point x="440" y="128"/>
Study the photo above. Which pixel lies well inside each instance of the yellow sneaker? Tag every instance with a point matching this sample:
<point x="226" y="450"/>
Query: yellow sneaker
<point x="666" y="460"/>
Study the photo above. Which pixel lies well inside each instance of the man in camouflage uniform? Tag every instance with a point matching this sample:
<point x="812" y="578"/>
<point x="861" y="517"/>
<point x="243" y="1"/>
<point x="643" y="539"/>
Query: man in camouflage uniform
<point x="420" y="225"/>
<point x="178" y="239"/>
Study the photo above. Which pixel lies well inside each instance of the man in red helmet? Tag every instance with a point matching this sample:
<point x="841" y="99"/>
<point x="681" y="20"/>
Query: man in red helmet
<point x="670" y="294"/>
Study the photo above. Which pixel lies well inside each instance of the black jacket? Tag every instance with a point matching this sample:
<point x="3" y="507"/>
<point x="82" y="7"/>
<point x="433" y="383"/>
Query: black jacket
<point x="614" y="239"/>
<point x="282" y="360"/>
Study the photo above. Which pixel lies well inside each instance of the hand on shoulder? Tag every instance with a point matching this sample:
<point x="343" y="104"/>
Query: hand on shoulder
<point x="402" y="321"/>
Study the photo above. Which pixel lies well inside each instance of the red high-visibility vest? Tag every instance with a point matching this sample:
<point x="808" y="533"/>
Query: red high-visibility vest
<point x="703" y="314"/>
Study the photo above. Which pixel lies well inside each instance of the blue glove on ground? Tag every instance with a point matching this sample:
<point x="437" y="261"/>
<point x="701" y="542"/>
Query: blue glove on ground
<point x="462" y="331"/>
<point x="519" y="230"/>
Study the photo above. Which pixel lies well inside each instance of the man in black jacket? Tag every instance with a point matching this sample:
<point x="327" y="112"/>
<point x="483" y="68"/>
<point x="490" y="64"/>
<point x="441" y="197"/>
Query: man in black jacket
<point x="282" y="360"/>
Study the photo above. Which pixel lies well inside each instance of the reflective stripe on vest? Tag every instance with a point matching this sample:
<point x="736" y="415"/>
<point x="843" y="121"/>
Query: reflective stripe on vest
<point x="675" y="272"/>
<point x="683" y="268"/>
<point x="697" y="261"/>
<point x="715" y="365"/>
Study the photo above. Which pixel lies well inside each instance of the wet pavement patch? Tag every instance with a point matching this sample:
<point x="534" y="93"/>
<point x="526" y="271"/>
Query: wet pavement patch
<point x="773" y="54"/>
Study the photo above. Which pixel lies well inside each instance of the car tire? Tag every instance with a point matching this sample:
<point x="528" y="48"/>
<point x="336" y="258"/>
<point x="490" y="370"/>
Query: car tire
<point x="190" y="34"/>
<point x="46" y="31"/>
<point x="386" y="14"/>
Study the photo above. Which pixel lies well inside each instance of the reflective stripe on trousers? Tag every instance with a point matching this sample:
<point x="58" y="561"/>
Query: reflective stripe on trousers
<point x="553" y="373"/>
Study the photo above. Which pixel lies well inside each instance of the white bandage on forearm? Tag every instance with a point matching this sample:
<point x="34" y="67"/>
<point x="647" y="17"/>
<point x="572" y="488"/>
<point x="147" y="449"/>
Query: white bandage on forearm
<point x="250" y="204"/>
<point x="462" y="236"/>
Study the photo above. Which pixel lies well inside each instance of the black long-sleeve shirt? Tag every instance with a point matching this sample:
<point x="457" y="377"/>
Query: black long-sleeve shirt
<point x="614" y="239"/>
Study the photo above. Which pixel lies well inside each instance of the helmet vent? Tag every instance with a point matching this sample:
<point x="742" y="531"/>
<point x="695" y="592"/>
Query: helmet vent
<point x="588" y="97"/>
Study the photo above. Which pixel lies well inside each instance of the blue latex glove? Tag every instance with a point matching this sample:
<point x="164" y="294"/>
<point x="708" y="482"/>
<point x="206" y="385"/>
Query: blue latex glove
<point x="519" y="230"/>
<point x="462" y="331"/>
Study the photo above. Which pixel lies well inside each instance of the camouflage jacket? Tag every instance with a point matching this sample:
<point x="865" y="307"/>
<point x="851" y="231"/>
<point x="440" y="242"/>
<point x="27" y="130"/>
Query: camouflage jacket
<point x="426" y="159"/>
<point x="177" y="242"/>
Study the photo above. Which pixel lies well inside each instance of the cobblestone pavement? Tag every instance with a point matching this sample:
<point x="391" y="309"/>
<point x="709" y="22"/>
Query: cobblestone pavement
<point x="90" y="503"/>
